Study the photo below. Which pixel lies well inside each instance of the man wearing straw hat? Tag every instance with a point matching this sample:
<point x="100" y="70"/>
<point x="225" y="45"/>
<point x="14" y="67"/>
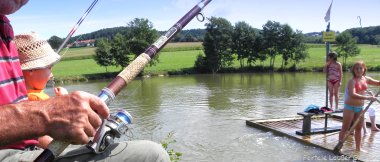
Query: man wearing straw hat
<point x="73" y="117"/>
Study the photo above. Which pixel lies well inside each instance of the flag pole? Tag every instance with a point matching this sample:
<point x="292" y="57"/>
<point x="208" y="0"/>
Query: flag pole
<point x="327" y="19"/>
<point x="327" y="74"/>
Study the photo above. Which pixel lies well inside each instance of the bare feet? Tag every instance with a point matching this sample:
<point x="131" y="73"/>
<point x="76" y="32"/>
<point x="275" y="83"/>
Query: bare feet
<point x="360" y="150"/>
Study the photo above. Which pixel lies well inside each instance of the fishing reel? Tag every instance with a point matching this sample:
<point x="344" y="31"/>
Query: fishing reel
<point x="113" y="127"/>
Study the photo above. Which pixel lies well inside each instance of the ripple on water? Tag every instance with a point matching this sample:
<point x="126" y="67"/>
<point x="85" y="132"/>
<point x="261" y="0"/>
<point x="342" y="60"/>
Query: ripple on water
<point x="207" y="113"/>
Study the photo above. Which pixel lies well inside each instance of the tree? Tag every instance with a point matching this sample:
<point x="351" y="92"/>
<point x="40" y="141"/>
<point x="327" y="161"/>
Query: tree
<point x="271" y="33"/>
<point x="243" y="38"/>
<point x="55" y="42"/>
<point x="140" y="35"/>
<point x="292" y="46"/>
<point x="259" y="48"/>
<point x="300" y="52"/>
<point x="217" y="43"/>
<point x="120" y="50"/>
<point x="103" y="55"/>
<point x="286" y="44"/>
<point x="346" y="47"/>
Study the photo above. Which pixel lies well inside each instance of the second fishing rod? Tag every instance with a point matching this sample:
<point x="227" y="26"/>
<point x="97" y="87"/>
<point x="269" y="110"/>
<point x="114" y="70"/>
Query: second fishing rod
<point x="116" y="85"/>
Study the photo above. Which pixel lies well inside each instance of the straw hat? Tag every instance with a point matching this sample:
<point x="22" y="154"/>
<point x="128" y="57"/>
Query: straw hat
<point x="34" y="52"/>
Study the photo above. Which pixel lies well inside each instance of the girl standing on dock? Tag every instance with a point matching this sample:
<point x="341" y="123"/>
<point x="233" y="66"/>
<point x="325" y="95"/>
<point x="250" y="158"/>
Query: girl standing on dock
<point x="334" y="77"/>
<point x="354" y="98"/>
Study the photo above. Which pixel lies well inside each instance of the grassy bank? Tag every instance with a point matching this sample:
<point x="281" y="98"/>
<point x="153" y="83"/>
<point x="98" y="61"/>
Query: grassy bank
<point x="77" y="63"/>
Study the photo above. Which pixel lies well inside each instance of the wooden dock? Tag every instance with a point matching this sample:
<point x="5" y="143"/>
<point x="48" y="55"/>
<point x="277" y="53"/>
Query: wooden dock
<point x="288" y="127"/>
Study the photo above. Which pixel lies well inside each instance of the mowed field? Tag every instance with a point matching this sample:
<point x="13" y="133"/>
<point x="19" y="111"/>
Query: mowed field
<point x="178" y="56"/>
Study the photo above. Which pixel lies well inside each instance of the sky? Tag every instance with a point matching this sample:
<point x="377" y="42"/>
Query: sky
<point x="57" y="17"/>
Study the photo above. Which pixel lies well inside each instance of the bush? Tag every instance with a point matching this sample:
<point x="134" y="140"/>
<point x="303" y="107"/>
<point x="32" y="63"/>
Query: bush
<point x="200" y="64"/>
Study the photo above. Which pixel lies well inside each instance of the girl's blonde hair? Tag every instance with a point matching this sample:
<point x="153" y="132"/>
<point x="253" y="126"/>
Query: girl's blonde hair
<point x="358" y="63"/>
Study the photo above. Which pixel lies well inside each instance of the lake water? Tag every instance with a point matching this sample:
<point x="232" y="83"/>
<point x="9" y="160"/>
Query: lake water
<point x="207" y="113"/>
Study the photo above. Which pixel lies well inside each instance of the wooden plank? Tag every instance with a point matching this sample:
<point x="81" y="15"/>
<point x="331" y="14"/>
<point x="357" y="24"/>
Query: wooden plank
<point x="287" y="127"/>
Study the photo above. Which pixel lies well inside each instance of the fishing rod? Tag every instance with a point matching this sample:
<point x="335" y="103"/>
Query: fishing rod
<point x="75" y="27"/>
<point x="98" y="144"/>
<point x="352" y="128"/>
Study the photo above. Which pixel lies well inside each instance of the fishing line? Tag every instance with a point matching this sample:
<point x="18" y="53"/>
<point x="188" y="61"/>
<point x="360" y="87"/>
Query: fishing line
<point x="71" y="33"/>
<point x="75" y="27"/>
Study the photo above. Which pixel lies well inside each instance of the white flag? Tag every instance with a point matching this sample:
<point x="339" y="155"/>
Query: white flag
<point x="327" y="17"/>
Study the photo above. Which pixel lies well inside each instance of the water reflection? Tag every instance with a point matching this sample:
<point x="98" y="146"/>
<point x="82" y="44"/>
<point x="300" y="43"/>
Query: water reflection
<point x="207" y="112"/>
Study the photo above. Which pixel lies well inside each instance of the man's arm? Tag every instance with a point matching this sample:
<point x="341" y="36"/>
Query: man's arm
<point x="20" y="121"/>
<point x="72" y="117"/>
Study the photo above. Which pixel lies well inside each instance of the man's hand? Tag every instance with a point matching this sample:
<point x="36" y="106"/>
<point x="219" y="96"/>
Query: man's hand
<point x="74" y="117"/>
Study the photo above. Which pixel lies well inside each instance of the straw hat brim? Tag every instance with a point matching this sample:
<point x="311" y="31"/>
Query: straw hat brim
<point x="40" y="63"/>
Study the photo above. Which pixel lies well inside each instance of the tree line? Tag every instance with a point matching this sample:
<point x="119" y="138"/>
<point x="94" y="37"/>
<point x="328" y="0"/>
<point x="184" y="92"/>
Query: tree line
<point x="366" y="35"/>
<point x="223" y="43"/>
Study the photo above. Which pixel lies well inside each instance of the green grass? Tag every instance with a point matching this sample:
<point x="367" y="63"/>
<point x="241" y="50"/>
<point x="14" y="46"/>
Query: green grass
<point x="78" y="62"/>
<point x="173" y="61"/>
<point x="79" y="68"/>
<point x="88" y="52"/>
<point x="368" y="53"/>
<point x="183" y="44"/>
<point x="77" y="52"/>
<point x="169" y="61"/>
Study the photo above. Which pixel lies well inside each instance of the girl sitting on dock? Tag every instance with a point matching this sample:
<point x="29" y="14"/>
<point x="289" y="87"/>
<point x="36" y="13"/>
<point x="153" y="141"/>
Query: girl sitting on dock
<point x="355" y="96"/>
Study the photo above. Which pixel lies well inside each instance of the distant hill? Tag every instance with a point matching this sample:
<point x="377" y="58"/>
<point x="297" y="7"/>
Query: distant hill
<point x="102" y="33"/>
<point x="190" y="35"/>
<point x="367" y="35"/>
<point x="313" y="37"/>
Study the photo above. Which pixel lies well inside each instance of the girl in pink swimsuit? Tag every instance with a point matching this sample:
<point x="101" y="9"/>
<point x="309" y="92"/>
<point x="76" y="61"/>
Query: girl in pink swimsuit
<point x="356" y="94"/>
<point x="334" y="77"/>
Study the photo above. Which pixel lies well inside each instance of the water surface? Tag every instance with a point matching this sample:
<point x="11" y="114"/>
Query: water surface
<point x="207" y="113"/>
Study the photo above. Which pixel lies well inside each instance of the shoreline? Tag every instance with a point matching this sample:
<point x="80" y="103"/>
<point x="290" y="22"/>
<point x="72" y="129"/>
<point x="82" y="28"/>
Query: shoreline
<point x="188" y="71"/>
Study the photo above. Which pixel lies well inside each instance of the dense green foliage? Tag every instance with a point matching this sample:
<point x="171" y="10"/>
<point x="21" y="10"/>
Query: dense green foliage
<point x="139" y="35"/>
<point x="347" y="47"/>
<point x="224" y="42"/>
<point x="367" y="35"/>
<point x="55" y="42"/>
<point x="119" y="50"/>
<point x="103" y="56"/>
<point x="245" y="38"/>
<point x="217" y="44"/>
